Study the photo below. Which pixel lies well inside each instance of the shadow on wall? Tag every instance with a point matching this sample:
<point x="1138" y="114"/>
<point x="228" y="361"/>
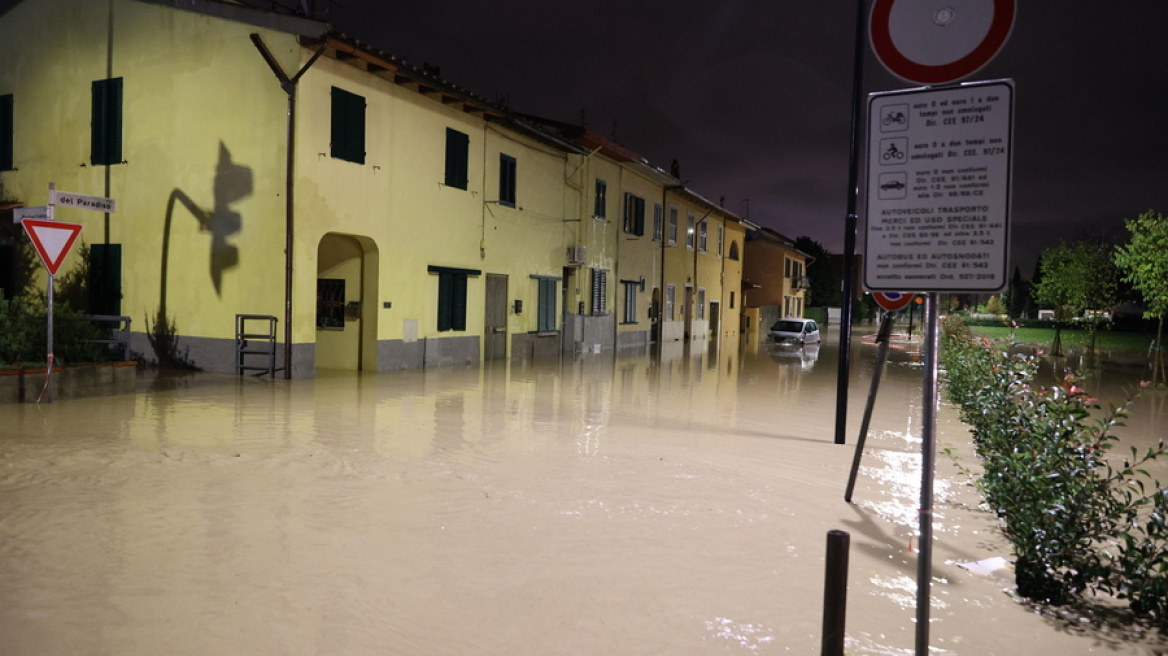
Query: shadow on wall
<point x="233" y="183"/>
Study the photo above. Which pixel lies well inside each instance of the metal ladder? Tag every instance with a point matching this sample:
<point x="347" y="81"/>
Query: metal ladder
<point x="254" y="343"/>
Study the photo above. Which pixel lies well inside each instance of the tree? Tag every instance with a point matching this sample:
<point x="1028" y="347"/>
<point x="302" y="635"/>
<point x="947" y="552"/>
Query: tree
<point x="1144" y="263"/>
<point x="825" y="283"/>
<point x="1077" y="279"/>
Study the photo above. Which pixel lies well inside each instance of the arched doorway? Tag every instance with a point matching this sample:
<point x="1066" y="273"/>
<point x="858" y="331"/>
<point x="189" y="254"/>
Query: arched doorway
<point x="346" y="302"/>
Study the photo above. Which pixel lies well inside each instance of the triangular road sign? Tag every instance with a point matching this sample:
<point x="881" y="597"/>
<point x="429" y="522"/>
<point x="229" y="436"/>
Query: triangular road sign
<point x="52" y="240"/>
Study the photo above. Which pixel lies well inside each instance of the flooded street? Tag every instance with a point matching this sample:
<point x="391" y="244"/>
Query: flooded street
<point x="601" y="505"/>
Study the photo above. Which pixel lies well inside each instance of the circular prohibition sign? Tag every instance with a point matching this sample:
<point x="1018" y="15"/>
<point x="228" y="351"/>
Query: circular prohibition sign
<point x="892" y="301"/>
<point x="938" y="41"/>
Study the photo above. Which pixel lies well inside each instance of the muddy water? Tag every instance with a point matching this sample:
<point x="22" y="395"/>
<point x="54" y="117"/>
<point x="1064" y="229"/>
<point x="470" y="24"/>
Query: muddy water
<point x="630" y="506"/>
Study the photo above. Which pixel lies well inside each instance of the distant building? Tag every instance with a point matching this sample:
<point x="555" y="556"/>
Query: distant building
<point x="775" y="277"/>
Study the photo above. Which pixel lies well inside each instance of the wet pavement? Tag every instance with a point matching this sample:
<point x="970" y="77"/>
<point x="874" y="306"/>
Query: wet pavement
<point x="600" y="505"/>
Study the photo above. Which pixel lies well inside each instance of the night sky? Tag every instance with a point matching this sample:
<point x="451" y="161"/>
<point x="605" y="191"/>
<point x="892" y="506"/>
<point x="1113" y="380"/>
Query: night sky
<point x="753" y="98"/>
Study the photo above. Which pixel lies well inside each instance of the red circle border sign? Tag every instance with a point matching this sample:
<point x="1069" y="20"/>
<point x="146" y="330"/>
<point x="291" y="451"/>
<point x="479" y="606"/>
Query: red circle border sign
<point x="893" y="301"/>
<point x="881" y="36"/>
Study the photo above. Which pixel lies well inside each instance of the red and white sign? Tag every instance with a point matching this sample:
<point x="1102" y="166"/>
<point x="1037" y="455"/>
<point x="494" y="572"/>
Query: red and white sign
<point x="938" y="41"/>
<point x="52" y="240"/>
<point x="892" y="301"/>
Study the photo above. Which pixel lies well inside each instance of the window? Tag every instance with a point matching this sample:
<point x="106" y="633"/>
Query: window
<point x="786" y="267"/>
<point x="634" y="215"/>
<point x="689" y="231"/>
<point x="702" y="239"/>
<point x="658" y="220"/>
<point x="106" y="125"/>
<point x="330" y="303"/>
<point x="701" y="302"/>
<point x="672" y="225"/>
<point x="599" y="291"/>
<point x="6" y="133"/>
<point x="457" y="158"/>
<point x="600" y="203"/>
<point x="452" y="296"/>
<point x="733" y="250"/>
<point x="721" y="238"/>
<point x="731" y="300"/>
<point x="546" y="321"/>
<point x="670" y="298"/>
<point x="348" y="120"/>
<point x="507" y="168"/>
<point x="631" y="287"/>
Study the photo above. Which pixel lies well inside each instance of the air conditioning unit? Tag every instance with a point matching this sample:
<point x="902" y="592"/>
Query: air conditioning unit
<point x="576" y="255"/>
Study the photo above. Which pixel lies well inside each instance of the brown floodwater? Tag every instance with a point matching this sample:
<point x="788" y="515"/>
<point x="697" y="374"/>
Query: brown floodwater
<point x="634" y="505"/>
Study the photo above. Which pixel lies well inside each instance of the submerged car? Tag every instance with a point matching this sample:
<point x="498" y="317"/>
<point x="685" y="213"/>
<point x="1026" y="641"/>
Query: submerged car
<point x="794" y="331"/>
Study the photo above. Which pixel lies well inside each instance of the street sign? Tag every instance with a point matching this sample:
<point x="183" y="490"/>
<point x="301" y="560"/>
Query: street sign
<point x="938" y="188"/>
<point x="81" y="201"/>
<point x="52" y="240"/>
<point x="892" y="301"/>
<point x="938" y="41"/>
<point x="38" y="213"/>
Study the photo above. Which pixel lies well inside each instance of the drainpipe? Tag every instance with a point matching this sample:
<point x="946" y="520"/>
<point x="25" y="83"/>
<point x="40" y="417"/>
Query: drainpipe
<point x="288" y="84"/>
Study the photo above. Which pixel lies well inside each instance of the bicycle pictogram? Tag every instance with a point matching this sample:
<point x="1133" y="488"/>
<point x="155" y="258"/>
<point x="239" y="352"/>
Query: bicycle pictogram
<point x="895" y="118"/>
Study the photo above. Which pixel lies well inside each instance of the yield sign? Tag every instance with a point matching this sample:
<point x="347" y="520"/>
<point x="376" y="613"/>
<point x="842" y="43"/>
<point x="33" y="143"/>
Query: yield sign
<point x="52" y="240"/>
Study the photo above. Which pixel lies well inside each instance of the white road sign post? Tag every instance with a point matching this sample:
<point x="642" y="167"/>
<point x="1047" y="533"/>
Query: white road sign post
<point x="938" y="220"/>
<point x="939" y="163"/>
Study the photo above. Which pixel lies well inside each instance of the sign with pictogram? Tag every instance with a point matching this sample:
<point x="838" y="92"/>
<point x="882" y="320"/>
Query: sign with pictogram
<point x="938" y="190"/>
<point x="52" y="240"/>
<point x="892" y="301"/>
<point x="938" y="41"/>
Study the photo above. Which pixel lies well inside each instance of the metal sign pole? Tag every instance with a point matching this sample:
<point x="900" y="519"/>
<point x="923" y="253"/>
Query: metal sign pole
<point x="928" y="457"/>
<point x="47" y="392"/>
<point x="881" y="357"/>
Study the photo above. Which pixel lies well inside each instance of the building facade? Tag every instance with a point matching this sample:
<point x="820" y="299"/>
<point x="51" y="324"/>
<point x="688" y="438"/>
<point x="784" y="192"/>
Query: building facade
<point x="374" y="215"/>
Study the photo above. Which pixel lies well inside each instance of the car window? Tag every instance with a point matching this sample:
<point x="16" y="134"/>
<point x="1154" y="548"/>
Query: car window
<point x="788" y="326"/>
<point x="811" y="327"/>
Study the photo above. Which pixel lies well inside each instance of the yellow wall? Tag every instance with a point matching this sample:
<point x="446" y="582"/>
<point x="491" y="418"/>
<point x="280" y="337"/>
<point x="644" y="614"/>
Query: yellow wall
<point x="202" y="180"/>
<point x="201" y="197"/>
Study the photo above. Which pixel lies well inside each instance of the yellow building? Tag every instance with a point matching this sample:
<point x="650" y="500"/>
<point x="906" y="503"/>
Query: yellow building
<point x="279" y="183"/>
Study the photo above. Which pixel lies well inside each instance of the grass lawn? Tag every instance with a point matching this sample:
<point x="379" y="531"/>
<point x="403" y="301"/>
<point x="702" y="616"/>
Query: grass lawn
<point x="1071" y="338"/>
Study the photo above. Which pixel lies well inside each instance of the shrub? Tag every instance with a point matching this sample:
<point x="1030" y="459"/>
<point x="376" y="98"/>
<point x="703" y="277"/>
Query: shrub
<point x="1077" y="522"/>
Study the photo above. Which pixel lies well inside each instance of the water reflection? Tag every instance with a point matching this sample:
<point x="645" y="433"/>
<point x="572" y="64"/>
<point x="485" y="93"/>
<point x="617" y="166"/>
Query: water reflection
<point x="634" y="502"/>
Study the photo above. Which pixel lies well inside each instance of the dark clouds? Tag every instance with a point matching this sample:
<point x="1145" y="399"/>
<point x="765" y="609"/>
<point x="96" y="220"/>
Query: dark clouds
<point x="753" y="97"/>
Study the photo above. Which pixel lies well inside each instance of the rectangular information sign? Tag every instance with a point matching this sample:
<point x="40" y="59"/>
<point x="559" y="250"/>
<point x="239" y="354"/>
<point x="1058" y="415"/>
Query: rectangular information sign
<point x="938" y="188"/>
<point x="82" y="201"/>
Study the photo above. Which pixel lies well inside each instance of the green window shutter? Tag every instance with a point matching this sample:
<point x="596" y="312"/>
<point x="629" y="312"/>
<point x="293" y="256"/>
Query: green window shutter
<point x="105" y="279"/>
<point x="445" y="300"/>
<point x="547" y="305"/>
<point x="6" y="133"/>
<point x="458" y="302"/>
<point x="639" y="217"/>
<point x="507" y="174"/>
<point x="348" y="126"/>
<point x="106" y="126"/>
<point x="457" y="158"/>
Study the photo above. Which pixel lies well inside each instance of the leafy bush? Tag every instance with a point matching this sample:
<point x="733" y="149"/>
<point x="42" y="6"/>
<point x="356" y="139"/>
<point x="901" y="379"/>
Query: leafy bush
<point x="24" y="333"/>
<point x="1078" y="523"/>
<point x="16" y="330"/>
